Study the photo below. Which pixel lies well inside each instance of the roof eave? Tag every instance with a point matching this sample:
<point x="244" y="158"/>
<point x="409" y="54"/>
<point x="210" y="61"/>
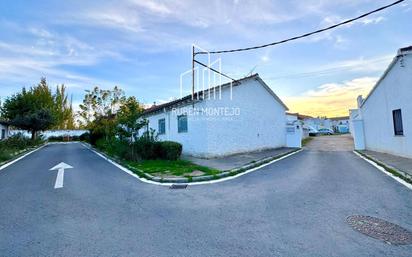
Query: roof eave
<point x="401" y="52"/>
<point x="271" y="92"/>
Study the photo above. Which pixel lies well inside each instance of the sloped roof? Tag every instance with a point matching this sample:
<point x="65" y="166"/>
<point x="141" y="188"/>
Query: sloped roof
<point x="198" y="96"/>
<point x="300" y="116"/>
<point x="340" y="118"/>
<point x="401" y="52"/>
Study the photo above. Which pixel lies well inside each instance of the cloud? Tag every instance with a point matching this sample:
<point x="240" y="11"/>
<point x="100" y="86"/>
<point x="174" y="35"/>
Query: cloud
<point x="111" y="18"/>
<point x="331" y="99"/>
<point x="46" y="53"/>
<point x="350" y="66"/>
<point x="153" y="6"/>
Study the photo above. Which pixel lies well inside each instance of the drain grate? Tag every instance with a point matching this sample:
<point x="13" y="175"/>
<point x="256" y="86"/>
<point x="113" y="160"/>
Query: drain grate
<point x="178" y="186"/>
<point x="380" y="229"/>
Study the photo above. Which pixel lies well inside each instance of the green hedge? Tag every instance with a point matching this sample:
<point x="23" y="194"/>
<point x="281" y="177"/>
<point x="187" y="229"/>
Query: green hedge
<point x="164" y="150"/>
<point x="169" y="150"/>
<point x="12" y="145"/>
<point x="142" y="149"/>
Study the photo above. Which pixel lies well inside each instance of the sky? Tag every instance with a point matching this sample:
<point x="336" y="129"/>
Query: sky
<point x="144" y="46"/>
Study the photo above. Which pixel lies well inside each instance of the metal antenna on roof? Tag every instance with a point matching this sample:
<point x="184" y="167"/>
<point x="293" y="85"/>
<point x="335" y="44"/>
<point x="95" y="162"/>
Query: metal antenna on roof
<point x="251" y="71"/>
<point x="206" y="66"/>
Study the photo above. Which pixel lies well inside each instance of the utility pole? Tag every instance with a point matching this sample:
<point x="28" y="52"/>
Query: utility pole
<point x="193" y="72"/>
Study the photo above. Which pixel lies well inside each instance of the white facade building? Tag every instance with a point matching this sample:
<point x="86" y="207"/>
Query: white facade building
<point x="383" y="121"/>
<point x="340" y="124"/>
<point x="317" y="123"/>
<point x="4" y="130"/>
<point x="243" y="117"/>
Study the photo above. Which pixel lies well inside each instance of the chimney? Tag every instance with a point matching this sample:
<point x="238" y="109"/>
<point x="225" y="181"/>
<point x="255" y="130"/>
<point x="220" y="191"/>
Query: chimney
<point x="360" y="100"/>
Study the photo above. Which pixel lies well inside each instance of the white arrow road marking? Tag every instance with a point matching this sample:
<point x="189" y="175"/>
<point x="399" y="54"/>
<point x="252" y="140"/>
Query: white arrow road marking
<point x="60" y="174"/>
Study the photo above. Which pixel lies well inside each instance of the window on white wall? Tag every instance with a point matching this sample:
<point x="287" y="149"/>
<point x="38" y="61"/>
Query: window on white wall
<point x="397" y="122"/>
<point x="162" y="127"/>
<point x="182" y="123"/>
<point x="3" y="134"/>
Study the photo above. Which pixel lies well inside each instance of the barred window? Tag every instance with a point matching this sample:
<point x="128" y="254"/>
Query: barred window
<point x="182" y="123"/>
<point x="397" y="122"/>
<point x="162" y="126"/>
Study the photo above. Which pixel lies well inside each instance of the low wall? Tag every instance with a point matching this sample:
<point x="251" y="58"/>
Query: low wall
<point x="51" y="133"/>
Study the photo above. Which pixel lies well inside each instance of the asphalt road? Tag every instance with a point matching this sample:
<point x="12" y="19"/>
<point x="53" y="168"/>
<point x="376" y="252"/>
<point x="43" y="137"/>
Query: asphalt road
<point x="294" y="207"/>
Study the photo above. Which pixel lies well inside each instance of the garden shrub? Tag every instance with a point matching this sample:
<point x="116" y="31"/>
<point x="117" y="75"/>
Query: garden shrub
<point x="169" y="150"/>
<point x="145" y="147"/>
<point x="10" y="146"/>
<point x="114" y="147"/>
<point x="85" y="137"/>
<point x="95" y="136"/>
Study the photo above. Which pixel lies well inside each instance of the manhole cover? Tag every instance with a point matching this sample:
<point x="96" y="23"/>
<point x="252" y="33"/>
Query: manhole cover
<point x="178" y="186"/>
<point x="380" y="229"/>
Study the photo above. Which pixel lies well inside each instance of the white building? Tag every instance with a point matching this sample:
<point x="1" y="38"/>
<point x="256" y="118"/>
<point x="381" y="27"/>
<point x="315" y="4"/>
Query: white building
<point x="298" y="119"/>
<point x="317" y="123"/>
<point x="340" y="124"/>
<point x="383" y="121"/>
<point x="353" y="114"/>
<point x="231" y="118"/>
<point x="4" y="130"/>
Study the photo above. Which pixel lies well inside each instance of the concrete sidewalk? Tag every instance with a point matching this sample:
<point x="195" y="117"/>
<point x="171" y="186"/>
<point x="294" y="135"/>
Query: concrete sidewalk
<point x="237" y="160"/>
<point x="400" y="163"/>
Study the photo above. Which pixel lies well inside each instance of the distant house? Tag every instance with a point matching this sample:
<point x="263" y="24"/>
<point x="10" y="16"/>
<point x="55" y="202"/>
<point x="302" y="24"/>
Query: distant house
<point x="383" y="121"/>
<point x="297" y="118"/>
<point x="247" y="116"/>
<point x="317" y="123"/>
<point x="340" y="124"/>
<point x="4" y="130"/>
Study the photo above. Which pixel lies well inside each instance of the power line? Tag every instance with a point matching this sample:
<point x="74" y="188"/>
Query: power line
<point x="210" y="68"/>
<point x="305" y="35"/>
<point x="327" y="71"/>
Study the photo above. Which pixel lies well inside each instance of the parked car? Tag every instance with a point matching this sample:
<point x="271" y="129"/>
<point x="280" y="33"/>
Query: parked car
<point x="325" y="131"/>
<point x="312" y="131"/>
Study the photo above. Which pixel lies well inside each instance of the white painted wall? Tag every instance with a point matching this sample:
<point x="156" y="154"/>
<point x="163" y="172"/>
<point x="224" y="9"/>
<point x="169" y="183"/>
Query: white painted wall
<point x="353" y="115"/>
<point x="358" y="134"/>
<point x="291" y="117"/>
<point x="194" y="141"/>
<point x="318" y="123"/>
<point x="294" y="135"/>
<point x="52" y="133"/>
<point x="252" y="120"/>
<point x="260" y="125"/>
<point x="393" y="92"/>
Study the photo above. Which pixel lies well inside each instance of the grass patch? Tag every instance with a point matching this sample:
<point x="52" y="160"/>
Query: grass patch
<point x="176" y="168"/>
<point x="16" y="145"/>
<point x="305" y="141"/>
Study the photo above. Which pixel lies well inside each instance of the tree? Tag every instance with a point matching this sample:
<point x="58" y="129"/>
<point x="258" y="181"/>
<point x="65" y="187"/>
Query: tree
<point x="100" y="103"/>
<point x="98" y="111"/>
<point x="37" y="109"/>
<point x="63" y="109"/>
<point x="129" y="118"/>
<point x="107" y="113"/>
<point x="31" y="110"/>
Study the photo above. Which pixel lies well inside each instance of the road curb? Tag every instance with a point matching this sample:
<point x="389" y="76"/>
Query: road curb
<point x="386" y="169"/>
<point x="201" y="180"/>
<point x="20" y="156"/>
